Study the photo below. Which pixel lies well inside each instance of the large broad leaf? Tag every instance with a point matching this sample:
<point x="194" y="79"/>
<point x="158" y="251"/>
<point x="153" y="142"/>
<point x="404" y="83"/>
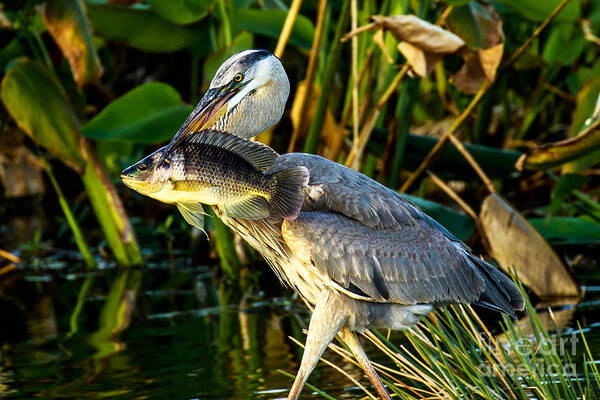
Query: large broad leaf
<point x="67" y="23"/>
<point x="514" y="243"/>
<point x="568" y="230"/>
<point x="497" y="163"/>
<point x="564" y="45"/>
<point x="270" y="22"/>
<point x="182" y="12"/>
<point x="538" y="10"/>
<point x="584" y="148"/>
<point x="241" y="42"/>
<point x="150" y="113"/>
<point x="12" y="50"/>
<point x="586" y="104"/>
<point x="143" y="29"/>
<point x="36" y="101"/>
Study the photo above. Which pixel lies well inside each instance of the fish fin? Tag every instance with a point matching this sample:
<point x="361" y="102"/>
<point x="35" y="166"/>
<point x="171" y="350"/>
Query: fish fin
<point x="255" y="207"/>
<point x="289" y="192"/>
<point x="260" y="156"/>
<point x="194" y="214"/>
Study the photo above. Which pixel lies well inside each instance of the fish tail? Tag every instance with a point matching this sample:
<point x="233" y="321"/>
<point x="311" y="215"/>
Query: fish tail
<point x="288" y="196"/>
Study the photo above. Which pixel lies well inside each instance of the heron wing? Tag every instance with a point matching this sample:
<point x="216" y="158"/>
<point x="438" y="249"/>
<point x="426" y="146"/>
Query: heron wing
<point x="335" y="188"/>
<point x="369" y="242"/>
<point x="403" y="265"/>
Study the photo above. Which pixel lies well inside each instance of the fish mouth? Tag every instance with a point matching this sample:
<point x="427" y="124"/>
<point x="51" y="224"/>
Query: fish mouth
<point x="139" y="186"/>
<point x="130" y="181"/>
<point x="128" y="177"/>
<point x="211" y="107"/>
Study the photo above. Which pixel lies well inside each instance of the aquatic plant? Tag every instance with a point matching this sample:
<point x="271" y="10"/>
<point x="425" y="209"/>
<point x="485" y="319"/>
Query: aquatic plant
<point x="452" y="354"/>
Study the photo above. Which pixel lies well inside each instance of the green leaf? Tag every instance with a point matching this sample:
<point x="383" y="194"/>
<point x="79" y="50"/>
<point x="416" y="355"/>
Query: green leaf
<point x="36" y="101"/>
<point x="497" y="163"/>
<point x="67" y="23"/>
<point x="538" y="10"/>
<point x="150" y="113"/>
<point x="182" y="12"/>
<point x="143" y="29"/>
<point x="568" y="230"/>
<point x="461" y="225"/>
<point x="564" y="45"/>
<point x="456" y="2"/>
<point x="563" y="188"/>
<point x="13" y="49"/>
<point x="586" y="103"/>
<point x="270" y="22"/>
<point x="583" y="148"/>
<point x="479" y="27"/>
<point x="241" y="42"/>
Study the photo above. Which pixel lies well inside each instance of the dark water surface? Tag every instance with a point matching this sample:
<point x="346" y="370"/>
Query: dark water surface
<point x="163" y="333"/>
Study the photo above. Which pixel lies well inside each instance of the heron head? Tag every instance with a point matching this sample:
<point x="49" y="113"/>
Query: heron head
<point x="246" y="96"/>
<point x="148" y="175"/>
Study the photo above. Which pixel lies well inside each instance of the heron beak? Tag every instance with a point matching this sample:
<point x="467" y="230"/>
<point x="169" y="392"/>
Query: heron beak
<point x="211" y="107"/>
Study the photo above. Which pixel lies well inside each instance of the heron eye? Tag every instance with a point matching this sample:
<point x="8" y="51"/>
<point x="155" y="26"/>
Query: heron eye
<point x="238" y="77"/>
<point x="167" y="163"/>
<point x="142" y="167"/>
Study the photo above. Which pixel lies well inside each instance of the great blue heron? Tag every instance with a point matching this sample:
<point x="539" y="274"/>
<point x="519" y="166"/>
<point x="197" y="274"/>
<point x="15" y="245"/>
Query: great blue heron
<point x="360" y="253"/>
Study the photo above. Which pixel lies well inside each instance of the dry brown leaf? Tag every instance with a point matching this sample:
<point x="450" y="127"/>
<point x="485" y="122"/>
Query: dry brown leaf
<point x="5" y="22"/>
<point x="415" y="57"/>
<point x="491" y="25"/>
<point x="470" y="76"/>
<point x="20" y="169"/>
<point x="514" y="243"/>
<point x="378" y="39"/>
<point x="420" y="33"/>
<point x="490" y="60"/>
<point x="421" y="62"/>
<point x="67" y="23"/>
<point x="481" y="28"/>
<point x="435" y="129"/>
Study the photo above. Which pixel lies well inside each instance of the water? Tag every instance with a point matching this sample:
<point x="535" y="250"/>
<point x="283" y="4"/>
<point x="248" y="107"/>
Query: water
<point x="157" y="333"/>
<point x="164" y="333"/>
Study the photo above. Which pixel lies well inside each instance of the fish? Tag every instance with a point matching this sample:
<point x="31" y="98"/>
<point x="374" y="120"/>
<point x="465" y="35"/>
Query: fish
<point x="219" y="169"/>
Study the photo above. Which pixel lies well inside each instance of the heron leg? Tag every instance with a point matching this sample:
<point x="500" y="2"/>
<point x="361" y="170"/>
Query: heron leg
<point x="326" y="321"/>
<point x="351" y="340"/>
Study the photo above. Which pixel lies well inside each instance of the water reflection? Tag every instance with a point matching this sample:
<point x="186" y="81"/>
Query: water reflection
<point x="150" y="334"/>
<point x="161" y="333"/>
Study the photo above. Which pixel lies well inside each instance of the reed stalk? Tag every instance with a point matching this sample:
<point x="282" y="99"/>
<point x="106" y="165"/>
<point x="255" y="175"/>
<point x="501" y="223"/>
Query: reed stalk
<point x="312" y="140"/>
<point x="110" y="213"/>
<point x="77" y="233"/>
<point x="452" y="354"/>
<point x="226" y="248"/>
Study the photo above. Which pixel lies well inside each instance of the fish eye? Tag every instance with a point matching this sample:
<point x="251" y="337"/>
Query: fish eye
<point x="238" y="77"/>
<point x="142" y="167"/>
